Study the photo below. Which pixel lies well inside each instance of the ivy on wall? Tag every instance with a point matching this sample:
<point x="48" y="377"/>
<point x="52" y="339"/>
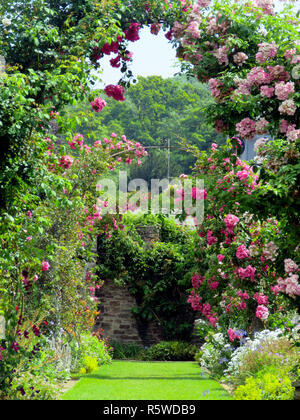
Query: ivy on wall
<point x="158" y="275"/>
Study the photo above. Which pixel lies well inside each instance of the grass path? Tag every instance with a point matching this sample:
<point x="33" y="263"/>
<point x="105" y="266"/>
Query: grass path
<point x="125" y="380"/>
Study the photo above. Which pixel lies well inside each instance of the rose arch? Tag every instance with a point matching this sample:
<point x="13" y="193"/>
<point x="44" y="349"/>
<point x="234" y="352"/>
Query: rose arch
<point x="248" y="54"/>
<point x="247" y="259"/>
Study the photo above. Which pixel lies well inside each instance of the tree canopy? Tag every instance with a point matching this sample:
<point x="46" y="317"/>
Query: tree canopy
<point x="156" y="110"/>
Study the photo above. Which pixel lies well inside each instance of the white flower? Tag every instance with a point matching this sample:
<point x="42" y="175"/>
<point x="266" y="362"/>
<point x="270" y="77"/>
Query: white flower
<point x="249" y="346"/>
<point x="6" y="22"/>
<point x="263" y="31"/>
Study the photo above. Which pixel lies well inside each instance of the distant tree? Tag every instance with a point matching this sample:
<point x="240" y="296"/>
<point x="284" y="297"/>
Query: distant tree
<point x="156" y="109"/>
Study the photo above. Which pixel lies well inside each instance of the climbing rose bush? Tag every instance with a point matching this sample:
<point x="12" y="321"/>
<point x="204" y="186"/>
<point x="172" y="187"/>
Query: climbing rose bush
<point x="49" y="218"/>
<point x="56" y="238"/>
<point x="251" y="73"/>
<point x="243" y="277"/>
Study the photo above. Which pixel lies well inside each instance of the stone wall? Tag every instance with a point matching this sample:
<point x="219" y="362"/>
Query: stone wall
<point x="116" y="318"/>
<point x="149" y="234"/>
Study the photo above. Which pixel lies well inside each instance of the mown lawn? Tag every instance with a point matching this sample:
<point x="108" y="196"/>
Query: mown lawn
<point x="125" y="380"/>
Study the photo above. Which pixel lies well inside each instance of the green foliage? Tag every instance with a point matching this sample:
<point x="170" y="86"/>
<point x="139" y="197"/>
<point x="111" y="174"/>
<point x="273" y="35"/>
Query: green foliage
<point x="89" y="354"/>
<point x="33" y="386"/>
<point x="49" y="56"/>
<point x="125" y="351"/>
<point x="266" y="386"/>
<point x="215" y="354"/>
<point x="278" y="355"/>
<point x="155" y="109"/>
<point x="227" y="195"/>
<point x="89" y="365"/>
<point x="280" y="176"/>
<point x="37" y="375"/>
<point x="203" y="329"/>
<point x="243" y="33"/>
<point x="157" y="275"/>
<point x="169" y="351"/>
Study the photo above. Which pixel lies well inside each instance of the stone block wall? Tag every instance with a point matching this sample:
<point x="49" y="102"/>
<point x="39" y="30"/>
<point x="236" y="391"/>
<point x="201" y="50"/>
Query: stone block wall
<point x="116" y="318"/>
<point x="149" y="234"/>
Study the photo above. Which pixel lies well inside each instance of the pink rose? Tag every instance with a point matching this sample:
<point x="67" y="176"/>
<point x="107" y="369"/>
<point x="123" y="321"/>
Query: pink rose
<point x="98" y="104"/>
<point x="262" y="312"/>
<point x="232" y="335"/>
<point x="242" y="252"/>
<point x="45" y="266"/>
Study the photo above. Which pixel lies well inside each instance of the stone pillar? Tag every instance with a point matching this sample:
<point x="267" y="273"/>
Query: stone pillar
<point x="149" y="234"/>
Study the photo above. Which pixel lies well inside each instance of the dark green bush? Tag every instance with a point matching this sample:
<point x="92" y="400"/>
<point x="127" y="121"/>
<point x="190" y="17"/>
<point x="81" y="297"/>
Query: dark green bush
<point x="157" y="276"/>
<point x="170" y="351"/>
<point x="125" y="351"/>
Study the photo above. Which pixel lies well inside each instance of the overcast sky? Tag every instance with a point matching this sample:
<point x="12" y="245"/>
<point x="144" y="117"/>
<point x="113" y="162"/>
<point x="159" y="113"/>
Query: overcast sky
<point x="153" y="55"/>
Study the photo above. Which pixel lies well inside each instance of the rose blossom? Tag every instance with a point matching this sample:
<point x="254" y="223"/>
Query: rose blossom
<point x="266" y="5"/>
<point x="155" y="28"/>
<point x="65" y="162"/>
<point x="246" y="128"/>
<point x="132" y="34"/>
<point x="262" y="312"/>
<point x="220" y="257"/>
<point x="232" y="335"/>
<point x="242" y="175"/>
<point x="287" y="107"/>
<point x="240" y="58"/>
<point x="98" y="104"/>
<point x="221" y="55"/>
<point x="45" y="266"/>
<point x="290" y="266"/>
<point x="116" y="92"/>
<point x="110" y="48"/>
<point x="247" y="272"/>
<point x="242" y="252"/>
<point x="261" y="126"/>
<point x="230" y="222"/>
<point x="261" y="299"/>
<point x="267" y="91"/>
<point x="293" y="135"/>
<point x="284" y="90"/>
<point x="266" y="51"/>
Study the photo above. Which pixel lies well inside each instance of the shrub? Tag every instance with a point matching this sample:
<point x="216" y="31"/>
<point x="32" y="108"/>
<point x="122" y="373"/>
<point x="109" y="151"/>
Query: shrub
<point x="89" y="350"/>
<point x="203" y="329"/>
<point x="267" y="349"/>
<point x="90" y="364"/>
<point x="37" y="377"/>
<point x="170" y="350"/>
<point x="157" y="276"/>
<point x="32" y="386"/>
<point x="215" y="354"/>
<point x="278" y="353"/>
<point x="125" y="351"/>
<point x="266" y="386"/>
<point x="60" y="351"/>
